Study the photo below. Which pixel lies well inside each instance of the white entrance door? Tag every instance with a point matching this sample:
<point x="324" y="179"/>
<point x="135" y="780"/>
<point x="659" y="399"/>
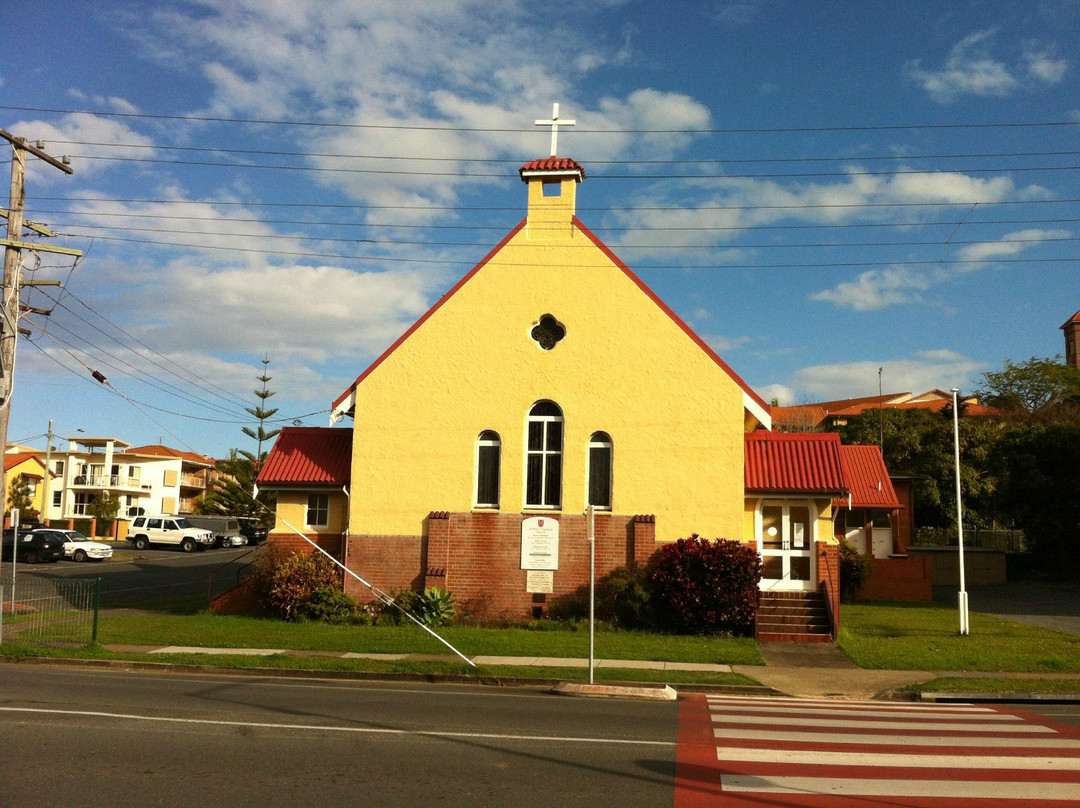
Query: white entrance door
<point x="787" y="547"/>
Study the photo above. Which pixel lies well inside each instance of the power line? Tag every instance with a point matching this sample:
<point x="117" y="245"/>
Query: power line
<point x="593" y="176"/>
<point x="624" y="246"/>
<point x="520" y="130"/>
<point x="590" y="161"/>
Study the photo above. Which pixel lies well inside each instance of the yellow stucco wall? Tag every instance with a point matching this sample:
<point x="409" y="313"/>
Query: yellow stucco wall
<point x="29" y="467"/>
<point x="292" y="509"/>
<point x="675" y="417"/>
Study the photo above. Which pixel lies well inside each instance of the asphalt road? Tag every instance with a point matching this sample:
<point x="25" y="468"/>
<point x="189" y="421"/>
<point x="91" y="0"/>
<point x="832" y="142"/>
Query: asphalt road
<point x="149" y="575"/>
<point x="93" y="738"/>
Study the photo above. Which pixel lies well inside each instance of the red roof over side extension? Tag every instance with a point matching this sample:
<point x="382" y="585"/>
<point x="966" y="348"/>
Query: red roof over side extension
<point x="867" y="478"/>
<point x="308" y="456"/>
<point x="794" y="463"/>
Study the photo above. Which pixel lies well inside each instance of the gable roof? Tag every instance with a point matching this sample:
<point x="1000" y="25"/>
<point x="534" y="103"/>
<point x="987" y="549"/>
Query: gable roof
<point x="158" y="450"/>
<point x="794" y="463"/>
<point x="751" y="400"/>
<point x="308" y="456"/>
<point x="867" y="477"/>
<point x="1074" y="319"/>
<point x="15" y="459"/>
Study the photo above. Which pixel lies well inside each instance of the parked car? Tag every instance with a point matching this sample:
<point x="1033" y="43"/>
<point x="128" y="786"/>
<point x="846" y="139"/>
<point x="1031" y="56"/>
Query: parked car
<point x="226" y="529"/>
<point x="174" y="530"/>
<point x="252" y="530"/>
<point x="78" y="547"/>
<point x="34" y="546"/>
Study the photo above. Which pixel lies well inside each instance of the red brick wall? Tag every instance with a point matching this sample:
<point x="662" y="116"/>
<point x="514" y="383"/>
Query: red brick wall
<point x="477" y="557"/>
<point x="899" y="579"/>
<point x="828" y="569"/>
<point x="332" y="543"/>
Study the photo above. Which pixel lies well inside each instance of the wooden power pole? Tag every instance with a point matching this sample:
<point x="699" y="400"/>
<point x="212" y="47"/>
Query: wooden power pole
<point x="14" y="245"/>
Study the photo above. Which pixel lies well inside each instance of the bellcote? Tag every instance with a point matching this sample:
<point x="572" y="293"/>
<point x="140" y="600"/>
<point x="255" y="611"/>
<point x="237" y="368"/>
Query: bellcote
<point x="552" y="185"/>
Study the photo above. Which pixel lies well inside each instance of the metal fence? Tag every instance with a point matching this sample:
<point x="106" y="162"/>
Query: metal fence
<point x="50" y="611"/>
<point x="1007" y="541"/>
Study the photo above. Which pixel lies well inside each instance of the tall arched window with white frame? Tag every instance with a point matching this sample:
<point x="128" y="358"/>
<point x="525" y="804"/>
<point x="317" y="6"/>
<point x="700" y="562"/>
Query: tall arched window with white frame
<point x="600" y="471"/>
<point x="543" y="456"/>
<point x="488" y="462"/>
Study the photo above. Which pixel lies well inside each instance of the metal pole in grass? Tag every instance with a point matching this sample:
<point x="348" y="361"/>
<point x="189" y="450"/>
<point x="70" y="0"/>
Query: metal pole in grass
<point x="97" y="609"/>
<point x="963" y="598"/>
<point x="592" y="591"/>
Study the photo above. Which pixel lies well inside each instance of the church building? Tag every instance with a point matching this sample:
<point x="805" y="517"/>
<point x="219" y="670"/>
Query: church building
<point x="548" y="383"/>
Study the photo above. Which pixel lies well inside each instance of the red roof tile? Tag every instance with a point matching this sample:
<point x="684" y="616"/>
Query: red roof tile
<point x="12" y="460"/>
<point x="561" y="164"/>
<point x="308" y="456"/>
<point x="867" y="477"/>
<point x="796" y="463"/>
<point x="1074" y="319"/>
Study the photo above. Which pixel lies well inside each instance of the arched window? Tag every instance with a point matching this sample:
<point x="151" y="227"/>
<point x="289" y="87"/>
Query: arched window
<point x="600" y="470"/>
<point x="488" y="455"/>
<point x="543" y="459"/>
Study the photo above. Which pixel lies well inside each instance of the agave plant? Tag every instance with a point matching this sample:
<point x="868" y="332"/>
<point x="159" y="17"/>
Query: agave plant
<point x="435" y="606"/>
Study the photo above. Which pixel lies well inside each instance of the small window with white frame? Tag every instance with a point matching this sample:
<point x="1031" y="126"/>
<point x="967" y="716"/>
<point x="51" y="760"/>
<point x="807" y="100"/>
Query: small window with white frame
<point x="600" y="471"/>
<point x="488" y="461"/>
<point x="318" y="510"/>
<point x="543" y="456"/>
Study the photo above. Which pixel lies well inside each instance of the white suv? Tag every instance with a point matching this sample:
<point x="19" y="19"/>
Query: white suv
<point x="175" y="530"/>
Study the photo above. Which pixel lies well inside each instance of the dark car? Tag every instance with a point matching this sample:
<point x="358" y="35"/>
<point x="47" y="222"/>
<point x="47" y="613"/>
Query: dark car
<point x="252" y="530"/>
<point x="34" y="545"/>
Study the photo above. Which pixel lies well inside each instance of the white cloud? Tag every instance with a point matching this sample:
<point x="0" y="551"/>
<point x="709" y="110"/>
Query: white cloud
<point x="79" y="133"/>
<point x="929" y="370"/>
<point x="971" y="69"/>
<point x="1043" y="65"/>
<point x="1010" y="244"/>
<point x="877" y="288"/>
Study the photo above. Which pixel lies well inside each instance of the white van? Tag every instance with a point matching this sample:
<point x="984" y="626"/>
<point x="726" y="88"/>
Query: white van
<point x="174" y="530"/>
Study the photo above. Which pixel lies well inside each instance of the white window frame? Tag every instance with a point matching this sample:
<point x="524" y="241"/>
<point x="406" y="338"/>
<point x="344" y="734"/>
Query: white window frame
<point x="547" y="456"/>
<point x="600" y="440"/>
<point x="315" y="510"/>
<point x="488" y="439"/>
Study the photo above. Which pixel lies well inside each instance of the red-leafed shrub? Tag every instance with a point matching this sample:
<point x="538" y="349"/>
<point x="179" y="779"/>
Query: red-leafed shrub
<point x="288" y="580"/>
<point x="706" y="587"/>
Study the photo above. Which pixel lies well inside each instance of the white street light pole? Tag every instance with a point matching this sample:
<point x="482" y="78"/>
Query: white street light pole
<point x="963" y="598"/>
<point x="592" y="590"/>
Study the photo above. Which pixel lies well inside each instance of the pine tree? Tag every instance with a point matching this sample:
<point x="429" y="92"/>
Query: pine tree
<point x="232" y="492"/>
<point x="260" y="412"/>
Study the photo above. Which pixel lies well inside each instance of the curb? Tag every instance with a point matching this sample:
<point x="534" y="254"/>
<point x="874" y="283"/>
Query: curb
<point x="606" y="691"/>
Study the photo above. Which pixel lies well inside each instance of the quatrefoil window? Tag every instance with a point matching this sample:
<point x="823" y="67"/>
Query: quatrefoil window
<point x="548" y="332"/>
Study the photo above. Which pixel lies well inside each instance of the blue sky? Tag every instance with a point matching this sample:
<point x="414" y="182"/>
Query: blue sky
<point x="820" y="189"/>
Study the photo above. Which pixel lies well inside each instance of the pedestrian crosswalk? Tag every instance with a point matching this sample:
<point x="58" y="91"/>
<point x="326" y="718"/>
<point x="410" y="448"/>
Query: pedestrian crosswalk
<point x="794" y="752"/>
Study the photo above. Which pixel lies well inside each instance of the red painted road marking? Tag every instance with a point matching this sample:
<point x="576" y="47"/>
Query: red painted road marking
<point x="792" y="752"/>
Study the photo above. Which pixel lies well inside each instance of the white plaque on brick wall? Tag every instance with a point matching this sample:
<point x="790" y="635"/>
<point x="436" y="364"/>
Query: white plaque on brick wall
<point x="540" y="543"/>
<point x="537" y="581"/>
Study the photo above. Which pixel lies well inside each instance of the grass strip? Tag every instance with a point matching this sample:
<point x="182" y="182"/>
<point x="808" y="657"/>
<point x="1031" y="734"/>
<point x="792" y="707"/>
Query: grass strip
<point x="925" y="636"/>
<point x="416" y="667"/>
<point x="213" y="631"/>
<point x="963" y="684"/>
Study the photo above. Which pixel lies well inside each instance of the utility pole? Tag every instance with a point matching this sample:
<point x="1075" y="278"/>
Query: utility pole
<point x="9" y="303"/>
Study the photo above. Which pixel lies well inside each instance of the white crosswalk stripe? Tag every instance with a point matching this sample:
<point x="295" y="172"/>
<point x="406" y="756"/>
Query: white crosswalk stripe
<point x="871" y="750"/>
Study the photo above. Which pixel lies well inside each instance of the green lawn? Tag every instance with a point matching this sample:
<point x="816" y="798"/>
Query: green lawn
<point x="213" y="631"/>
<point x="925" y="636"/>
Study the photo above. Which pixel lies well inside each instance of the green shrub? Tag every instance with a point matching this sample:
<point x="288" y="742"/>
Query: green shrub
<point x="390" y="614"/>
<point x="706" y="587"/>
<point x="434" y="607"/>
<point x="854" y="570"/>
<point x="329" y="604"/>
<point x="288" y="579"/>
<point x="623" y="598"/>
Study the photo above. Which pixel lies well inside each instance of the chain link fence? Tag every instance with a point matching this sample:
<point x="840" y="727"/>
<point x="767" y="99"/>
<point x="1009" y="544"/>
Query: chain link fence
<point x="50" y="611"/>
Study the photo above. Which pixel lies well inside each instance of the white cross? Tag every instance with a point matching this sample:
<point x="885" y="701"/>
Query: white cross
<point x="554" y="123"/>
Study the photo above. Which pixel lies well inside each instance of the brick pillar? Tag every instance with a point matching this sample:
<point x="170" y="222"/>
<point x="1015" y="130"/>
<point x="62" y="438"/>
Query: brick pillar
<point x="644" y="538"/>
<point x="438" y="549"/>
<point x="828" y="557"/>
